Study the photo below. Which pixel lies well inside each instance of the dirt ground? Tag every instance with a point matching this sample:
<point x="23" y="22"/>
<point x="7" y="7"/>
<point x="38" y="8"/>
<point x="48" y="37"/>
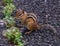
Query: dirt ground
<point x="48" y="12"/>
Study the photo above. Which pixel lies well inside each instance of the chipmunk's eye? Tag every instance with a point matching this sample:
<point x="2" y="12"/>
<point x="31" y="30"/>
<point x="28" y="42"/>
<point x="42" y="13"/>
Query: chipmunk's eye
<point x="20" y="14"/>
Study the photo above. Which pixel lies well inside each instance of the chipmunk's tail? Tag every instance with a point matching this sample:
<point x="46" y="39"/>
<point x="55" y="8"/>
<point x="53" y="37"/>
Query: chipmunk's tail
<point x="54" y="30"/>
<point x="51" y="27"/>
<point x="42" y="26"/>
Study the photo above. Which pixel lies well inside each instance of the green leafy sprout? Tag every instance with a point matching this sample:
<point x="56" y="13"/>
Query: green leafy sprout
<point x="14" y="35"/>
<point x="9" y="21"/>
<point x="8" y="9"/>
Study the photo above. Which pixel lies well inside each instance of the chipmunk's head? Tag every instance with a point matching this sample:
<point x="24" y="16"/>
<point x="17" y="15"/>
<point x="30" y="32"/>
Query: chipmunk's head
<point x="19" y="12"/>
<point x="21" y="15"/>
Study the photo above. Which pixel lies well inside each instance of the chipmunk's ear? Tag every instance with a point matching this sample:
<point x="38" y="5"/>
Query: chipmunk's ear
<point x="22" y="10"/>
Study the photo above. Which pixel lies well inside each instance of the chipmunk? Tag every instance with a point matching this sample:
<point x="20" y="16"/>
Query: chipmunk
<point x="30" y="21"/>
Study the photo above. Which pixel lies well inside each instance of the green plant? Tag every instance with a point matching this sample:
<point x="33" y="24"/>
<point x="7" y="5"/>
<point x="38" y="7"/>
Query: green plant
<point x="9" y="21"/>
<point x="14" y="35"/>
<point x="8" y="9"/>
<point x="7" y="1"/>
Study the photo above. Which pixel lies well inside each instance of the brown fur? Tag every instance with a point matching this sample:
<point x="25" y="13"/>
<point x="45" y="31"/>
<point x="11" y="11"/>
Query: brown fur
<point x="30" y="21"/>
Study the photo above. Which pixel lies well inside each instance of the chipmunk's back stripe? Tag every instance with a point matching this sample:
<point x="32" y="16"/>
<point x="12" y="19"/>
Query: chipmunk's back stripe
<point x="33" y="16"/>
<point x="30" y="17"/>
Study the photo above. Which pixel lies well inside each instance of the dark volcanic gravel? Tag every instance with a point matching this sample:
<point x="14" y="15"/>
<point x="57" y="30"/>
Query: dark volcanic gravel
<point x="48" y="12"/>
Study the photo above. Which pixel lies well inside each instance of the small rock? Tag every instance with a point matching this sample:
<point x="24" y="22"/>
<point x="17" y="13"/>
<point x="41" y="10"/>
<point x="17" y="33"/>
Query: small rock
<point x="2" y="23"/>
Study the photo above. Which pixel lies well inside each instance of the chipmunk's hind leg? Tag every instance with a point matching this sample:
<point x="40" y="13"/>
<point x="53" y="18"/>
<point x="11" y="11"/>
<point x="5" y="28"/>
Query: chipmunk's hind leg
<point x="29" y="32"/>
